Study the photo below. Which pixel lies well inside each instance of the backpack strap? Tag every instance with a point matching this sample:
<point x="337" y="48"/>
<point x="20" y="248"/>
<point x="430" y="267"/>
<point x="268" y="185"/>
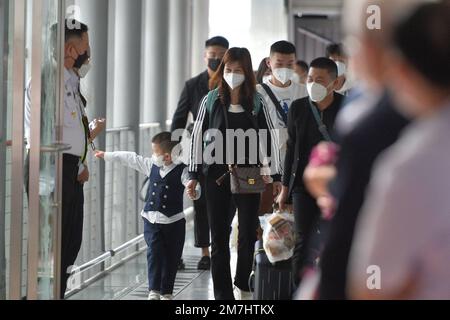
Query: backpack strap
<point x="214" y="95"/>
<point x="257" y="103"/>
<point x="275" y="102"/>
<point x="211" y="99"/>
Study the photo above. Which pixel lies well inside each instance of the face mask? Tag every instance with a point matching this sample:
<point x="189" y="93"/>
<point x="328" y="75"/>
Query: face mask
<point x="214" y="64"/>
<point x="283" y="74"/>
<point x="234" y="80"/>
<point x="84" y="70"/>
<point x="342" y="68"/>
<point x="267" y="78"/>
<point x="316" y="91"/>
<point x="296" y="78"/>
<point x="158" y="160"/>
<point x="81" y="60"/>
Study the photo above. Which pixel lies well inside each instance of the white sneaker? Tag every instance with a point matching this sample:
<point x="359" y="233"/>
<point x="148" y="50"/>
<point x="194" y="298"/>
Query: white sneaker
<point x="154" y="295"/>
<point x="167" y="297"/>
<point x="242" y="295"/>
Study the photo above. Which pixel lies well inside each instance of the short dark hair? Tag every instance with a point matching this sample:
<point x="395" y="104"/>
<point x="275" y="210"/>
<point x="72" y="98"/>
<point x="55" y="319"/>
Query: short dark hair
<point x="335" y="49"/>
<point x="423" y="39"/>
<point x="302" y="64"/>
<point x="72" y="29"/>
<point x="283" y="47"/>
<point x="165" y="142"/>
<point x="327" y="64"/>
<point x="217" y="41"/>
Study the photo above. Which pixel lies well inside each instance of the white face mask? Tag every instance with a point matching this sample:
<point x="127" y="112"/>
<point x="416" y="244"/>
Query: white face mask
<point x="158" y="160"/>
<point x="266" y="78"/>
<point x="234" y="80"/>
<point x="342" y="68"/>
<point x="284" y="75"/>
<point x="316" y="91"/>
<point x="84" y="70"/>
<point x="296" y="78"/>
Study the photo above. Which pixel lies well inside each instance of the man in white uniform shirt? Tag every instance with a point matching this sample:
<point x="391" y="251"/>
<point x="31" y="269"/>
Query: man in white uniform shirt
<point x="278" y="93"/>
<point x="77" y="134"/>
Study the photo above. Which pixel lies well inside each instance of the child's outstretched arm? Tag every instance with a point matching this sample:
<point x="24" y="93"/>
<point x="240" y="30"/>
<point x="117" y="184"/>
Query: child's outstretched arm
<point x="128" y="159"/>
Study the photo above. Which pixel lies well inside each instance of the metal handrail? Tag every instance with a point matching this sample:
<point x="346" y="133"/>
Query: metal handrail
<point x="119" y="129"/>
<point x="314" y="35"/>
<point x="150" y="125"/>
<point x="109" y="254"/>
<point x="189" y="213"/>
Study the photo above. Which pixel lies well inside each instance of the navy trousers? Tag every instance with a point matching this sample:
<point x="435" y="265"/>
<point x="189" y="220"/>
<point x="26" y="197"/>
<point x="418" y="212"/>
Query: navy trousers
<point x="165" y="246"/>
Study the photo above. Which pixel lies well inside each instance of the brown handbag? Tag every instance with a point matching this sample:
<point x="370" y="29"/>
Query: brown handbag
<point x="244" y="180"/>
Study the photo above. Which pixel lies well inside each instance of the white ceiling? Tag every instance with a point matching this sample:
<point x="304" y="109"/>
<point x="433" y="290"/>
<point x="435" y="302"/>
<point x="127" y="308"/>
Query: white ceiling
<point x="317" y="6"/>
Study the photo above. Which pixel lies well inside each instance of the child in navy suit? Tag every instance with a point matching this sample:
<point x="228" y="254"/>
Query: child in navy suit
<point x="163" y="215"/>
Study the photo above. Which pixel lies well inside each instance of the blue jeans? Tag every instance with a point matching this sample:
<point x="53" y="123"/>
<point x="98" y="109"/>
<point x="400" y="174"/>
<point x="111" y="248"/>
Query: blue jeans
<point x="165" y="246"/>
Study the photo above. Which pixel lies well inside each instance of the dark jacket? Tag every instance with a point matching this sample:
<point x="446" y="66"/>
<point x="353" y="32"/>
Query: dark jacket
<point x="216" y="120"/>
<point x="359" y="150"/>
<point x="194" y="90"/>
<point x="303" y="135"/>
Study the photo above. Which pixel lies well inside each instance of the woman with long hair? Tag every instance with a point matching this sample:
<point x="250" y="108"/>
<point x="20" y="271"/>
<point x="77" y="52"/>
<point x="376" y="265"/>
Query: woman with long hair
<point x="233" y="109"/>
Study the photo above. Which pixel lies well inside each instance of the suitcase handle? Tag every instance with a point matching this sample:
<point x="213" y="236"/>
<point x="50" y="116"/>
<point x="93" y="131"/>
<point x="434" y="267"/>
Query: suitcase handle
<point x="251" y="278"/>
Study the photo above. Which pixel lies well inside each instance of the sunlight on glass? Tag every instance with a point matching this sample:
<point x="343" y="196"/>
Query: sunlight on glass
<point x="254" y="24"/>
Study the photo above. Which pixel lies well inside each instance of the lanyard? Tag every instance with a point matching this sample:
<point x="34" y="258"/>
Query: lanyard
<point x="84" y="122"/>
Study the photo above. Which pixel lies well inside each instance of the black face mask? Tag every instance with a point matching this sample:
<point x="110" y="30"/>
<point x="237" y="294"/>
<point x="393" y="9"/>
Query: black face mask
<point x="81" y="60"/>
<point x="214" y="64"/>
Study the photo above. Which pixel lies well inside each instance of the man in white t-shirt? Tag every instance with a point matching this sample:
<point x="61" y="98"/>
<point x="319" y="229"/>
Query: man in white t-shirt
<point x="279" y="92"/>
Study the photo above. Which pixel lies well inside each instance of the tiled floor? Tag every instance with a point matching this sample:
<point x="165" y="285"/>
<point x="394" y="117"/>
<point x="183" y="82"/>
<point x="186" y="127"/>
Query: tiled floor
<point x="187" y="280"/>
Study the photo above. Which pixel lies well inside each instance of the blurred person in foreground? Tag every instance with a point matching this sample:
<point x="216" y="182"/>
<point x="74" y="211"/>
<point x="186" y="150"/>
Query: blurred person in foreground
<point x="366" y="127"/>
<point x="402" y="241"/>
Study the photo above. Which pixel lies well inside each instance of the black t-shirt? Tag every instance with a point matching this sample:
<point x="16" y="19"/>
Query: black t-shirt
<point x="241" y="121"/>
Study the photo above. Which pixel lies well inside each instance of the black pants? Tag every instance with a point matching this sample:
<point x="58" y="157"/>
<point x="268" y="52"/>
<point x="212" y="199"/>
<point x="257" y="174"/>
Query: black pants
<point x="165" y="245"/>
<point x="219" y="200"/>
<point x="311" y="232"/>
<point x="72" y="217"/>
<point x="201" y="224"/>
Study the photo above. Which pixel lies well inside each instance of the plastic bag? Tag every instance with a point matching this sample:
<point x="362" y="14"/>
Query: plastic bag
<point x="279" y="237"/>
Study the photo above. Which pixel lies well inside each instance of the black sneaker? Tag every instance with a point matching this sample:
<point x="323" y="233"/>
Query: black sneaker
<point x="181" y="265"/>
<point x="204" y="263"/>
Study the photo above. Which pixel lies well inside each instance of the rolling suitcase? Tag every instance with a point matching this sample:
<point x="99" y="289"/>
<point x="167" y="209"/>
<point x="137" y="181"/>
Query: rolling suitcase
<point x="271" y="281"/>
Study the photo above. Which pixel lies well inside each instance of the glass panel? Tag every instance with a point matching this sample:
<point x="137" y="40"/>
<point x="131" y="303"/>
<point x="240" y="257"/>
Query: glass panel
<point x="4" y="226"/>
<point x="48" y="158"/>
<point x="7" y="8"/>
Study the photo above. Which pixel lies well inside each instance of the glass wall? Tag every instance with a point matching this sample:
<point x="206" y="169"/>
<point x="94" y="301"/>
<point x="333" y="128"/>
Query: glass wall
<point x="4" y="83"/>
<point x="48" y="195"/>
<point x="29" y="239"/>
<point x="254" y="24"/>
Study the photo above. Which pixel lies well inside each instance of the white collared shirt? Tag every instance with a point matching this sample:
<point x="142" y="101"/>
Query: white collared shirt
<point x="144" y="166"/>
<point x="73" y="129"/>
<point x="73" y="132"/>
